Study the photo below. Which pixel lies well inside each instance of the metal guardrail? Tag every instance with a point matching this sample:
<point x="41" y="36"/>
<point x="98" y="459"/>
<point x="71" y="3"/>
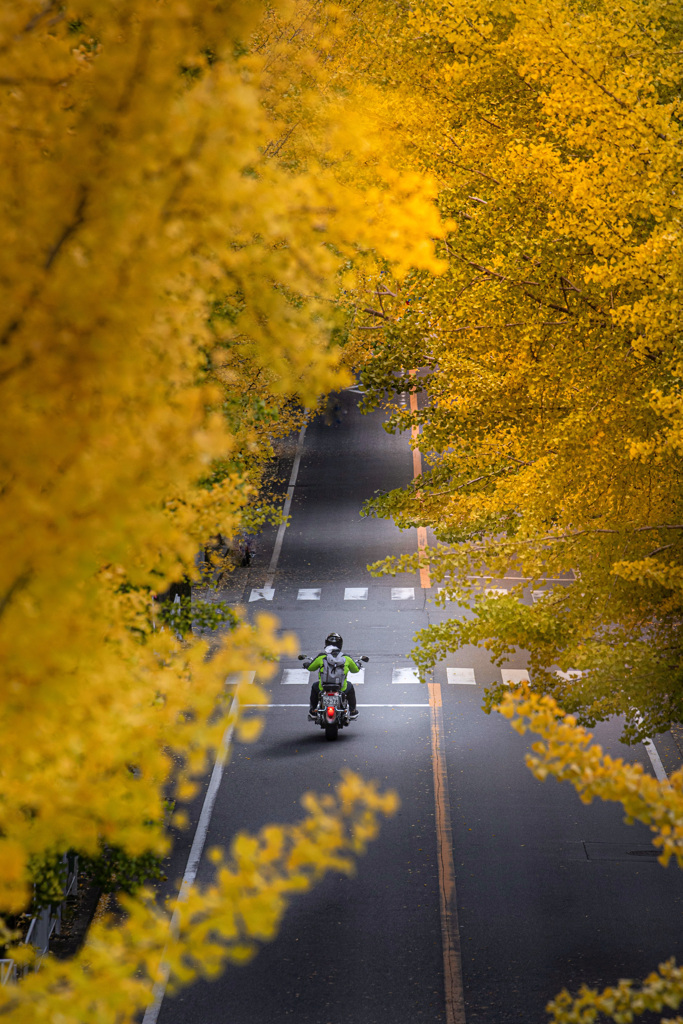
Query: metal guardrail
<point x="8" y="971"/>
<point x="43" y="926"/>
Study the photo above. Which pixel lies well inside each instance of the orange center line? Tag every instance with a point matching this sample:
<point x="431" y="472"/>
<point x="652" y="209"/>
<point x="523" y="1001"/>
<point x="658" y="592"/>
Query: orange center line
<point x="450" y="930"/>
<point x="425" y="580"/>
<point x="448" y="906"/>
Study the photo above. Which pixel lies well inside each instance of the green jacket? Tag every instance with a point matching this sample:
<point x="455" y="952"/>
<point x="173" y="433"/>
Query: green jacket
<point x="317" y="666"/>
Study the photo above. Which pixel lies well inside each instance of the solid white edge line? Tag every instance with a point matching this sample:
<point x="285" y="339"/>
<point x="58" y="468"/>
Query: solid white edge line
<point x="655" y="760"/>
<point x="195" y="856"/>
<point x="285" y="509"/>
<point x="653" y="754"/>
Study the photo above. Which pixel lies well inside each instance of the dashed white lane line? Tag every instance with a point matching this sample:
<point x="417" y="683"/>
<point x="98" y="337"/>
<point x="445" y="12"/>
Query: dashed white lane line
<point x="461" y="676"/>
<point x="262" y="594"/>
<point x="309" y="594"/>
<point x="355" y="593"/>
<point x="404" y="676"/>
<point x="514" y="676"/>
<point x="402" y="593"/>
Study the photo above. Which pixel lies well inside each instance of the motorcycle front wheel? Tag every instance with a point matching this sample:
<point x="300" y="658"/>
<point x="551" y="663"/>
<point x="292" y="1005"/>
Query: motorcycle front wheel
<point x="331" y="732"/>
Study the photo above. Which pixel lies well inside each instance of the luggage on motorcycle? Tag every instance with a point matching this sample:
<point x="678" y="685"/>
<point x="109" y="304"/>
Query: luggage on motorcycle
<point x="332" y="672"/>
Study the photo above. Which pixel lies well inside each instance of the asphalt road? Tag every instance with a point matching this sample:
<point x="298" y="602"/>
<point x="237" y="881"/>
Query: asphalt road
<point x="549" y="892"/>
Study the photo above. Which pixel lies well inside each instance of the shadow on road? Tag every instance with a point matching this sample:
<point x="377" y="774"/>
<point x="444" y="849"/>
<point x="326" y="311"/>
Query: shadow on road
<point x="314" y="743"/>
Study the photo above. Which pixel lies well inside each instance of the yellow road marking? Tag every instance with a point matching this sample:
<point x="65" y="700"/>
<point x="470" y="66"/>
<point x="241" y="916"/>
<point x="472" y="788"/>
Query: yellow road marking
<point x="450" y="932"/>
<point x="425" y="581"/>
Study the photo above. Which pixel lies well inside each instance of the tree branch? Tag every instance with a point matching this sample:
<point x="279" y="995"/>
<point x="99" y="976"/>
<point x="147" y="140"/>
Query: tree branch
<point x="484" y="476"/>
<point x="495" y="327"/>
<point x="20" y="582"/>
<point x="658" y="551"/>
<point x="487" y="270"/>
<point x="498" y="127"/>
<point x="69" y="230"/>
<point x="472" y="170"/>
<point x="620" y="103"/>
<point x="274" y="148"/>
<point x="50" y="6"/>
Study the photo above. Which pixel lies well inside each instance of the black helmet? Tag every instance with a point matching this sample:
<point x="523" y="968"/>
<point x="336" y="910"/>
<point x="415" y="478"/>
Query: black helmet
<point x="334" y="640"/>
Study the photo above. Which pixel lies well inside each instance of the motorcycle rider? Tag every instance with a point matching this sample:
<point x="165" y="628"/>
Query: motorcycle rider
<point x="333" y="645"/>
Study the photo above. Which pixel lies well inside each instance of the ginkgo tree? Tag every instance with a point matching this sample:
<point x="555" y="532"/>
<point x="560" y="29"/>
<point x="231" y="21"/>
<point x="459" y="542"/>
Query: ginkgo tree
<point x="549" y="357"/>
<point x="173" y="244"/>
<point x="549" y="352"/>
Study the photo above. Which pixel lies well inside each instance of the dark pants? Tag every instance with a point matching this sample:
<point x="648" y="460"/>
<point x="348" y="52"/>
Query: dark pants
<point x="349" y="691"/>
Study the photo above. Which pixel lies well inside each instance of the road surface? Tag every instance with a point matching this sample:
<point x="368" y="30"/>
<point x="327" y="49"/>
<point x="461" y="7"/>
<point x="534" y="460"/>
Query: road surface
<point x="548" y="892"/>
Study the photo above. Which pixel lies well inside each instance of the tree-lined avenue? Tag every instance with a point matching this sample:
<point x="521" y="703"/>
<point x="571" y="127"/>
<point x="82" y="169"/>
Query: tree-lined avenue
<point x="550" y="892"/>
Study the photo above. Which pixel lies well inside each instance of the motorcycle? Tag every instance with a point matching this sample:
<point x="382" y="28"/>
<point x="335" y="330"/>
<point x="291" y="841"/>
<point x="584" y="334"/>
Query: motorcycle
<point x="332" y="712"/>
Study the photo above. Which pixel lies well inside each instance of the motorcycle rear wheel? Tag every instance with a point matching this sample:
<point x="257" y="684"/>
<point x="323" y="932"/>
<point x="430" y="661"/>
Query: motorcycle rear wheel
<point x="331" y="732"/>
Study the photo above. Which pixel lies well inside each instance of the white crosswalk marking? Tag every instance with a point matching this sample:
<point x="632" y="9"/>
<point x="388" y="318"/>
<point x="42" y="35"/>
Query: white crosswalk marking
<point x="403" y="676"/>
<point x="514" y="676"/>
<point x="461" y="676"/>
<point x="301" y="676"/>
<point x="570" y="676"/>
<point x="397" y="593"/>
<point x="296" y="677"/>
<point x="408" y="675"/>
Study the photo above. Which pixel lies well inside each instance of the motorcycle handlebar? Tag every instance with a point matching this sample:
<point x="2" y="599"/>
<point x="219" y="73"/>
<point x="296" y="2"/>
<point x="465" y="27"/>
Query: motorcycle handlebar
<point x="361" y="657"/>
